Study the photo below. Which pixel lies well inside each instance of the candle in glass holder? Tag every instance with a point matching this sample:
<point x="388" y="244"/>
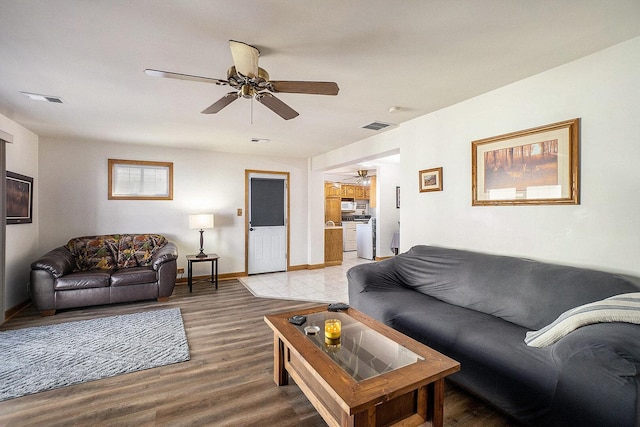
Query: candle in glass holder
<point x="332" y="329"/>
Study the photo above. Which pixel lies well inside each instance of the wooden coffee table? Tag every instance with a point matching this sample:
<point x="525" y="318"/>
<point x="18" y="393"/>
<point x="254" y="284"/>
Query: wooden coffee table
<point x="375" y="376"/>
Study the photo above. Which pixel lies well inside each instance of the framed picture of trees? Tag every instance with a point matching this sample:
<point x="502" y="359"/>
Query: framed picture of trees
<point x="538" y="166"/>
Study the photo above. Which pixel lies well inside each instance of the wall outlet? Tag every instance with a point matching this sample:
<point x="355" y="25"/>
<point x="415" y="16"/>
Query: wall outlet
<point x="180" y="270"/>
<point x="239" y="211"/>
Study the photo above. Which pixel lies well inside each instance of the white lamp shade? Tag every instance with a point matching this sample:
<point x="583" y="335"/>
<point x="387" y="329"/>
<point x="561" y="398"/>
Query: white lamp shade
<point x="201" y="221"/>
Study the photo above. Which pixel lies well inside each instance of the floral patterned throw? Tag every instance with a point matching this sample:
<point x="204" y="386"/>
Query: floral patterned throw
<point x="113" y="251"/>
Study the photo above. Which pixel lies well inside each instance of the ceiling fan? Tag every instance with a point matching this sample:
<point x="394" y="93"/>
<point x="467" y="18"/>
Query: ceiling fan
<point x="362" y="178"/>
<point x="251" y="81"/>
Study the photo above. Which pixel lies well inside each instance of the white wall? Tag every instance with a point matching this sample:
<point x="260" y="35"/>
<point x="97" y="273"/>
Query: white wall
<point x="21" y="239"/>
<point x="603" y="232"/>
<point x="388" y="178"/>
<point x="74" y="199"/>
<point x="315" y="215"/>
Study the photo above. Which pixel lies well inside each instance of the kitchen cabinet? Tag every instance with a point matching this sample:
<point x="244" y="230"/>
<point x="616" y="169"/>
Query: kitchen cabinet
<point x="332" y="246"/>
<point x="372" y="192"/>
<point x="332" y="202"/>
<point x="359" y="192"/>
<point x="332" y="189"/>
<point x="332" y="210"/>
<point x="347" y="191"/>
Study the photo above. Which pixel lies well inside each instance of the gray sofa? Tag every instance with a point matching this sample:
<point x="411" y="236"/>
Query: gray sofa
<point x="478" y="308"/>
<point x="106" y="269"/>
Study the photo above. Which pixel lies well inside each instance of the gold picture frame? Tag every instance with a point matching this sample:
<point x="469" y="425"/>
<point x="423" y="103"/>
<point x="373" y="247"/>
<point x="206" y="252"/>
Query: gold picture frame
<point x="430" y="180"/>
<point x="538" y="166"/>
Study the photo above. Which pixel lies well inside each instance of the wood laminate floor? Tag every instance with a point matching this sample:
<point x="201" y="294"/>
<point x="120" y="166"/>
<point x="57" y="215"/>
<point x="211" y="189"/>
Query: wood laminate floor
<point x="227" y="382"/>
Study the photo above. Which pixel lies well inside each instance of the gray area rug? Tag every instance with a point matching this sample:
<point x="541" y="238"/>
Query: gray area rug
<point x="47" y="357"/>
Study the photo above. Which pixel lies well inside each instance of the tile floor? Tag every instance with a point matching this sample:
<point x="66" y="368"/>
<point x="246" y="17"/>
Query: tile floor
<point x="323" y="285"/>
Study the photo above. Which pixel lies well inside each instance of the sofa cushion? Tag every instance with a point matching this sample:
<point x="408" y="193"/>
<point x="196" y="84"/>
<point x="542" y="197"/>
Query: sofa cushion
<point x="133" y="276"/>
<point x="528" y="293"/>
<point x="522" y="378"/>
<point x="83" y="280"/>
<point x="619" y="308"/>
<point x="94" y="252"/>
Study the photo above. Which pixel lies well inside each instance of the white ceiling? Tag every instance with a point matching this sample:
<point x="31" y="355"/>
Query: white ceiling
<point x="420" y="55"/>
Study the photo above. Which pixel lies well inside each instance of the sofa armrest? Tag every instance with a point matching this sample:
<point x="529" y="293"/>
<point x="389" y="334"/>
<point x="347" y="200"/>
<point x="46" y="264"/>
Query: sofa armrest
<point x="168" y="252"/>
<point x="57" y="262"/>
<point x="375" y="276"/>
<point x="598" y="375"/>
<point x="164" y="262"/>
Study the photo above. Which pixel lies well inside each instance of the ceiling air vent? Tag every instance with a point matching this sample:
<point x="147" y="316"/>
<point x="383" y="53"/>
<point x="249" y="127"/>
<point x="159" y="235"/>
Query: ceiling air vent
<point x="38" y="97"/>
<point x="377" y="126"/>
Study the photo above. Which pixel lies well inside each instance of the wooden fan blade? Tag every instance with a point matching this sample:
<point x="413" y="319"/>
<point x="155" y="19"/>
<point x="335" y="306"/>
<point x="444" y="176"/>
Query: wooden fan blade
<point x="245" y="58"/>
<point x="312" y="88"/>
<point x="221" y="103"/>
<point x="170" y="75"/>
<point x="277" y="106"/>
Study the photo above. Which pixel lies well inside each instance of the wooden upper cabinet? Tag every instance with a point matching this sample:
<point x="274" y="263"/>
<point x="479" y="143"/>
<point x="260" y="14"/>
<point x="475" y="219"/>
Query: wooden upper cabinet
<point x="367" y="192"/>
<point x="348" y="191"/>
<point x="331" y="189"/>
<point x="359" y="191"/>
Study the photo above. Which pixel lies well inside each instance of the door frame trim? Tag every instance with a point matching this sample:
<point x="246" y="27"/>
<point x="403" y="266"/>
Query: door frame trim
<point x="287" y="177"/>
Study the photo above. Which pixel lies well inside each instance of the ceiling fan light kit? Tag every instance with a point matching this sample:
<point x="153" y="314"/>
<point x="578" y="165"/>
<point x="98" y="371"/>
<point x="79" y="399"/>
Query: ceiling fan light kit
<point x="253" y="82"/>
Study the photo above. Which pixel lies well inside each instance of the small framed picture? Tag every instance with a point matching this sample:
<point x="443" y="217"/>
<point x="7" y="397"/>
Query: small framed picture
<point x="397" y="197"/>
<point x="431" y="180"/>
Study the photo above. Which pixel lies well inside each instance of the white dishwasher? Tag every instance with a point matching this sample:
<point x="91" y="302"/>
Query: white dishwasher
<point x="349" y="240"/>
<point x="366" y="239"/>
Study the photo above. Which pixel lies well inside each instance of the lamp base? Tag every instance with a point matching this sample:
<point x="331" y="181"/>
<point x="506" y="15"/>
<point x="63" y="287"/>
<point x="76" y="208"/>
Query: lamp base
<point x="201" y="254"/>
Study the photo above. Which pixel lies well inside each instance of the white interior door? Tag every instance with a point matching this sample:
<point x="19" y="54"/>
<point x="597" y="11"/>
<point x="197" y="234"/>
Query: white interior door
<point x="267" y="214"/>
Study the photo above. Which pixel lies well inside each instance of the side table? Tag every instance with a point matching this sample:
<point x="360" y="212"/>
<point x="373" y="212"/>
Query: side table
<point x="212" y="258"/>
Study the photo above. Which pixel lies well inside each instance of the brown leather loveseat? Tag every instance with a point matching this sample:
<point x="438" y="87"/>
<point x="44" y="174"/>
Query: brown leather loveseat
<point x="95" y="270"/>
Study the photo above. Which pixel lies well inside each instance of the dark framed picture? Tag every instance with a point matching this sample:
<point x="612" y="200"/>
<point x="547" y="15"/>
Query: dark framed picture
<point x="397" y="197"/>
<point x="430" y="180"/>
<point x="538" y="166"/>
<point x="19" y="198"/>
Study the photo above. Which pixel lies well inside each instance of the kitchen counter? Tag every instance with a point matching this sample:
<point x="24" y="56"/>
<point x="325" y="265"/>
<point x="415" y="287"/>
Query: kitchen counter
<point x="333" y="245"/>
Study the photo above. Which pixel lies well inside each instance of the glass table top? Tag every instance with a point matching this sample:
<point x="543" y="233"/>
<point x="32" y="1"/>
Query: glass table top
<point x="360" y="351"/>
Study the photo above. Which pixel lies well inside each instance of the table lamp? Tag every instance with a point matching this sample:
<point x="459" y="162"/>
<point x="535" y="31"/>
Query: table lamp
<point x="201" y="221"/>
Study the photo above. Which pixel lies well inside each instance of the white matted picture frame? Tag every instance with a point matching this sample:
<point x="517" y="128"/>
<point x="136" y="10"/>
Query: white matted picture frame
<point x="430" y="180"/>
<point x="538" y="166"/>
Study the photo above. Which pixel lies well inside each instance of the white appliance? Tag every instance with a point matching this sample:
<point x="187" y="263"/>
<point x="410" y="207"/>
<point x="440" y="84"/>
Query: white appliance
<point x="349" y="236"/>
<point x="347" y="206"/>
<point x="366" y="239"/>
